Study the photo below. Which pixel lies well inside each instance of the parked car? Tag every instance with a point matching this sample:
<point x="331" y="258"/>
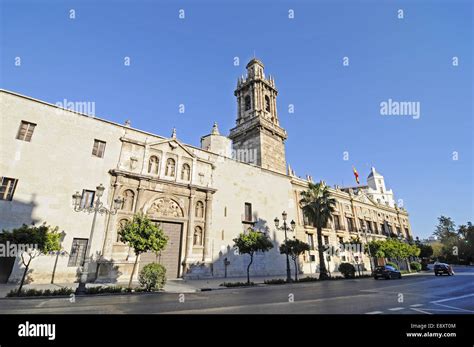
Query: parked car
<point x="387" y="272"/>
<point x="442" y="268"/>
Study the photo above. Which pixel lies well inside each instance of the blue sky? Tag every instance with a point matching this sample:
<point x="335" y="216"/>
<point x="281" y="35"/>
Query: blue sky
<point x="337" y="108"/>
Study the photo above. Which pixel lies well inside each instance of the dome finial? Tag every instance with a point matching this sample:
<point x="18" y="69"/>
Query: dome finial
<point x="173" y="134"/>
<point x="215" y="129"/>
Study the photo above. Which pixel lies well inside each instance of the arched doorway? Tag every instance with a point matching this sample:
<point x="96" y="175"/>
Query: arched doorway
<point x="163" y="211"/>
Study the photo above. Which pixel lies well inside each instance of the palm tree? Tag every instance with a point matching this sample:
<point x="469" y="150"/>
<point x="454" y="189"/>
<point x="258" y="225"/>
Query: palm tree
<point x="318" y="206"/>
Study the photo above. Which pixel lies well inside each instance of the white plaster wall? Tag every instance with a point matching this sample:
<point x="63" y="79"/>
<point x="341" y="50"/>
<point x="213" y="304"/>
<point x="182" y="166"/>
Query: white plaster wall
<point x="269" y="193"/>
<point x="57" y="162"/>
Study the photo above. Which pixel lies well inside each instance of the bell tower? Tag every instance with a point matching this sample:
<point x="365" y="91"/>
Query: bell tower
<point x="257" y="137"/>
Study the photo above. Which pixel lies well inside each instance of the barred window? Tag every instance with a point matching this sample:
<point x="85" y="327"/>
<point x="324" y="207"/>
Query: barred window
<point x="25" y="132"/>
<point x="78" y="252"/>
<point x="99" y="148"/>
<point x="248" y="212"/>
<point x="7" y="188"/>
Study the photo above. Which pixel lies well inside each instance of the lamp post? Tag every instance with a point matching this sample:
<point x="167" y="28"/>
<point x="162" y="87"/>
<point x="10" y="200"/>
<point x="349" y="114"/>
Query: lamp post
<point x="285" y="228"/>
<point x="364" y="229"/>
<point x="95" y="207"/>
<point x="356" y="258"/>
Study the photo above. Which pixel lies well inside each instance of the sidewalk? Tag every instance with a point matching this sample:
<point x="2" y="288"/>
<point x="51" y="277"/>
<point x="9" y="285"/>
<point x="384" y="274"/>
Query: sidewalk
<point x="172" y="286"/>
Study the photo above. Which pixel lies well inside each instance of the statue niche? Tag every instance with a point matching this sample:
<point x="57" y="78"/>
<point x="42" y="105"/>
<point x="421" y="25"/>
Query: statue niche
<point x="165" y="207"/>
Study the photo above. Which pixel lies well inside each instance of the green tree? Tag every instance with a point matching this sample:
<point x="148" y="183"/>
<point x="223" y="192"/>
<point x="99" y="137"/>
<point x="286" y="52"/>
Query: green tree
<point x="426" y="251"/>
<point x="437" y="249"/>
<point x="466" y="242"/>
<point x="393" y="249"/>
<point x="33" y="241"/>
<point x="318" y="206"/>
<point x="446" y="233"/>
<point x="143" y="236"/>
<point x="294" y="248"/>
<point x="250" y="242"/>
<point x="445" y="230"/>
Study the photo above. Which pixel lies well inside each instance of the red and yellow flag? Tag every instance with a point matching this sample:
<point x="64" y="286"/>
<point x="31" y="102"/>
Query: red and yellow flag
<point x="356" y="175"/>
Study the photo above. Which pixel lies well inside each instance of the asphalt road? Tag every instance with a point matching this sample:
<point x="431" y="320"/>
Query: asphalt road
<point x="416" y="294"/>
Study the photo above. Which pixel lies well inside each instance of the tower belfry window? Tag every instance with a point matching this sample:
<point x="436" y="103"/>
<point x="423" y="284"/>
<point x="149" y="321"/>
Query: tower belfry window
<point x="248" y="103"/>
<point x="267" y="103"/>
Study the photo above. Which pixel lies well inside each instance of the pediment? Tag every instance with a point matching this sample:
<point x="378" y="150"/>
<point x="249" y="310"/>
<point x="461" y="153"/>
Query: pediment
<point x="171" y="146"/>
<point x="365" y="199"/>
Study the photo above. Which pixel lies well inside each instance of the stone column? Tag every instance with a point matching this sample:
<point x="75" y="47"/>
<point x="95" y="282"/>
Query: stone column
<point x="138" y="199"/>
<point x="207" y="230"/>
<point x="274" y="107"/>
<point x="190" y="233"/>
<point x="111" y="224"/>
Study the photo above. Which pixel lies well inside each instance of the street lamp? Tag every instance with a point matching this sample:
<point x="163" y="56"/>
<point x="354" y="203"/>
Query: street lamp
<point x="95" y="208"/>
<point x="285" y="228"/>
<point x="356" y="258"/>
<point x="364" y="229"/>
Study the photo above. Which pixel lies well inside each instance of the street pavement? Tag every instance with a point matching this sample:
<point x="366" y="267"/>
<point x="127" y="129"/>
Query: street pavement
<point x="421" y="293"/>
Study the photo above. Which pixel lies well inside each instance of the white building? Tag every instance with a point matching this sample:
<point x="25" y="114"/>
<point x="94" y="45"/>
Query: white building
<point x="201" y="197"/>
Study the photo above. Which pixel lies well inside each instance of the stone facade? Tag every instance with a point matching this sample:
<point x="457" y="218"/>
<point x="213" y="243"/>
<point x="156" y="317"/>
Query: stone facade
<point x="201" y="197"/>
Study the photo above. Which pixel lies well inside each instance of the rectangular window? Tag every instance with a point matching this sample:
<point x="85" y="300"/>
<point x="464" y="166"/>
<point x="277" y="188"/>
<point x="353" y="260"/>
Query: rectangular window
<point x="87" y="199"/>
<point x="350" y="224"/>
<point x="25" y="132"/>
<point x="375" y="228"/>
<point x="406" y="232"/>
<point x="311" y="241"/>
<point x="337" y="223"/>
<point x="382" y="228"/>
<point x="99" y="148"/>
<point x="326" y="240"/>
<point x="312" y="258"/>
<point x="369" y="226"/>
<point x="305" y="219"/>
<point x="341" y="240"/>
<point x="399" y="231"/>
<point x="361" y="223"/>
<point x="248" y="212"/>
<point x="78" y="252"/>
<point x="7" y="189"/>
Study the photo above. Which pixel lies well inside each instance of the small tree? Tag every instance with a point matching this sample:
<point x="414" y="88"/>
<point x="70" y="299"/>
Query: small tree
<point x="251" y="242"/>
<point x="294" y="248"/>
<point x="142" y="235"/>
<point x="33" y="241"/>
